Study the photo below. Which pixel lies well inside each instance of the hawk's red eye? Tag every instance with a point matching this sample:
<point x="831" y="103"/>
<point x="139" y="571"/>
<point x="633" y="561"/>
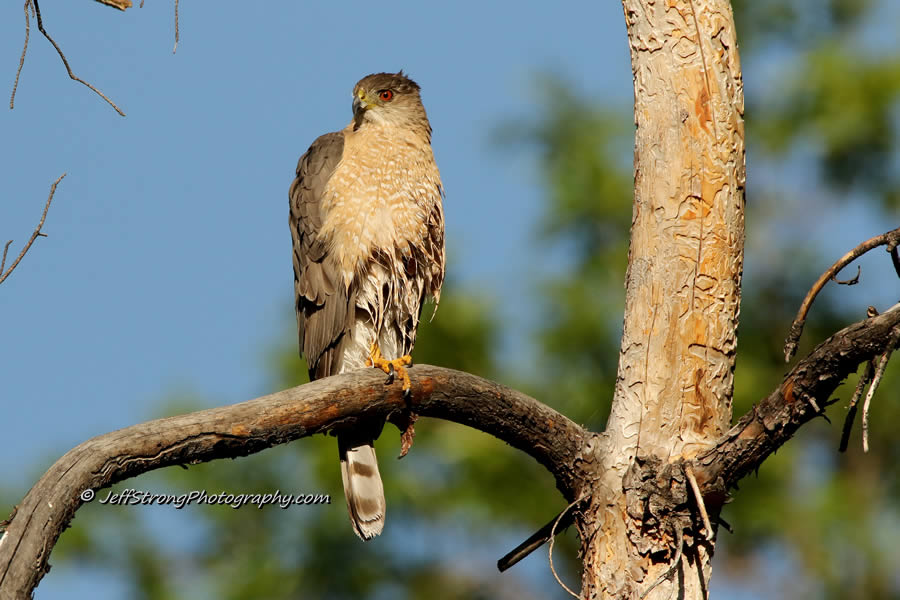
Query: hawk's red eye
<point x="386" y="95"/>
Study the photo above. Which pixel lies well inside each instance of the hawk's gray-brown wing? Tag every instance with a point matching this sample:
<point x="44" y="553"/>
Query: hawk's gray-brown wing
<point x="324" y="306"/>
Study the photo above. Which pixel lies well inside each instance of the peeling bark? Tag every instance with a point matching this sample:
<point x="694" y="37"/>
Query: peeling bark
<point x="675" y="378"/>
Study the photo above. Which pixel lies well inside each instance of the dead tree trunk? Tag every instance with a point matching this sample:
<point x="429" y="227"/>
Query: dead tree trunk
<point x="674" y="385"/>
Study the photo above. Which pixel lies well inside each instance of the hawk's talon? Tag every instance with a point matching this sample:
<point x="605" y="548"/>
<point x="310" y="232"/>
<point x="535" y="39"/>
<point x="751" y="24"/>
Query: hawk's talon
<point x="397" y="366"/>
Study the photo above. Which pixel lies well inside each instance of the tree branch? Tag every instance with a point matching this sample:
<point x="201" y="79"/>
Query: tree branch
<point x="891" y="239"/>
<point x="776" y="418"/>
<point x="34" y="236"/>
<point x="120" y="4"/>
<point x="241" y="429"/>
<point x="12" y="96"/>
<point x="37" y="13"/>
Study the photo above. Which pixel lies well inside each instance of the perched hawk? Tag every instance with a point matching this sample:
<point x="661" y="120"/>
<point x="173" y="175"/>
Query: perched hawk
<point x="368" y="230"/>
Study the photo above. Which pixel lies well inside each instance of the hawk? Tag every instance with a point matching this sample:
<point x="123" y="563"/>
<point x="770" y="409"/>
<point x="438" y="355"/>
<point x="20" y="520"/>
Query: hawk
<point x="368" y="231"/>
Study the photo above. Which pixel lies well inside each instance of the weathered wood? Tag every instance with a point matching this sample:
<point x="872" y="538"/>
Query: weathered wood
<point x="675" y="376"/>
<point x="229" y="431"/>
<point x="775" y="419"/>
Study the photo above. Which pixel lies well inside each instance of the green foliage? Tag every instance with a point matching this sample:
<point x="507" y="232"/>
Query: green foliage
<point x="833" y="91"/>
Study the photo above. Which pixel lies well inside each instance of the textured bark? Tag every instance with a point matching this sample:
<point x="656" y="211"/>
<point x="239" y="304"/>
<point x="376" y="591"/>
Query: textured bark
<point x="772" y="422"/>
<point x="653" y="491"/>
<point x="325" y="405"/>
<point x="674" y="385"/>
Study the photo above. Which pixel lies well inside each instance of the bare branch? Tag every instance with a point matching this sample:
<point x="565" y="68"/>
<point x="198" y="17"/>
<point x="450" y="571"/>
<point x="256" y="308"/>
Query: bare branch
<point x="536" y="540"/>
<point x="34" y="236"/>
<point x="852" y="281"/>
<point x="72" y="75"/>
<point x="327" y="404"/>
<point x="553" y="539"/>
<point x="891" y="239"/>
<point x="3" y="261"/>
<point x="12" y="97"/>
<point x="174" y="48"/>
<point x="776" y="418"/>
<point x="176" y="27"/>
<point x="698" y="497"/>
<point x="876" y="379"/>
<point x="120" y="4"/>
<point x="851" y="411"/>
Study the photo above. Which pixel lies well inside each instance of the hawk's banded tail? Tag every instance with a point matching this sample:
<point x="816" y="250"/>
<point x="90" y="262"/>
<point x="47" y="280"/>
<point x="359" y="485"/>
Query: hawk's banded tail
<point x="362" y="486"/>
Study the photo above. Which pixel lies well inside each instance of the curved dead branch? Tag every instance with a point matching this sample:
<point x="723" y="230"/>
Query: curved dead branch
<point x="776" y="418"/>
<point x="891" y="239"/>
<point x="229" y="431"/>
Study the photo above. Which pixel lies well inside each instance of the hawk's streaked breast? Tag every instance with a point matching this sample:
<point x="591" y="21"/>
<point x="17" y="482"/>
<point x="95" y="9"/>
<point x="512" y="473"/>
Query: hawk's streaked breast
<point x="383" y="198"/>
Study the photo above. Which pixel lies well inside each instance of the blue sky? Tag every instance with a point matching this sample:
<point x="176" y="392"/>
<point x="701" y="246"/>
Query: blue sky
<point x="167" y="263"/>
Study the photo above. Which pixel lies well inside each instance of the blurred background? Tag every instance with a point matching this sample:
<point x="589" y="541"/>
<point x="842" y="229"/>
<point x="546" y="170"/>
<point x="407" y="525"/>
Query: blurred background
<point x="165" y="283"/>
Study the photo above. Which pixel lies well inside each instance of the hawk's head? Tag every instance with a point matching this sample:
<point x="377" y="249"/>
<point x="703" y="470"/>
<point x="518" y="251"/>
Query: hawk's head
<point x="388" y="99"/>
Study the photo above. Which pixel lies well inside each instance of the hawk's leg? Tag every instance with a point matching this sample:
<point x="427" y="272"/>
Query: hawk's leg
<point x="397" y="365"/>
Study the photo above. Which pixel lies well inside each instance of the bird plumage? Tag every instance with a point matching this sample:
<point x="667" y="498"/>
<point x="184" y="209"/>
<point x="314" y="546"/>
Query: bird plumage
<point x="368" y="238"/>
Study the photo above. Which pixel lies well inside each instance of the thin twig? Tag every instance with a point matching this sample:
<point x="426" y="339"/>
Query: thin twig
<point x="12" y="97"/>
<point x="700" y="504"/>
<point x="725" y="525"/>
<point x="34" y="236"/>
<point x="176" y="26"/>
<point x="852" y="281"/>
<point x="851" y="412"/>
<point x="5" y="250"/>
<point x="815" y="405"/>
<point x="552" y="539"/>
<point x="671" y="568"/>
<point x="895" y="258"/>
<point x="891" y="238"/>
<point x="879" y="373"/>
<point x="72" y="76"/>
<point x="864" y="378"/>
<point x="535" y="541"/>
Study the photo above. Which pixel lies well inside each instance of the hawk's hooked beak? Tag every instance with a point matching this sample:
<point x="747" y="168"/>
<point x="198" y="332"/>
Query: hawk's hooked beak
<point x="359" y="108"/>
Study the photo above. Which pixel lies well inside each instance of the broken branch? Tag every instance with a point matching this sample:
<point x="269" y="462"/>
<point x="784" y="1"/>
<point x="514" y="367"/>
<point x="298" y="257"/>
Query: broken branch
<point x="891" y="239"/>
<point x="775" y="419"/>
<point x="876" y="379"/>
<point x="34" y="236"/>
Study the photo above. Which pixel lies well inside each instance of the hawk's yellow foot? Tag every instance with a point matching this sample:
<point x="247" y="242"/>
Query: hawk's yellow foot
<point x="397" y="365"/>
